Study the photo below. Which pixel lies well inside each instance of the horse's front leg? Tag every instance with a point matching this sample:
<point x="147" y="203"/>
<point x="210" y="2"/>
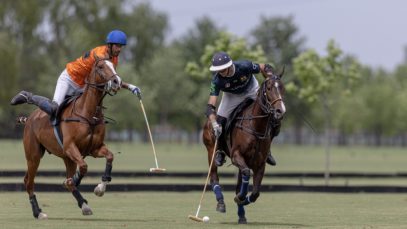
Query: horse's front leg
<point x="243" y="178"/>
<point x="71" y="185"/>
<point x="242" y="184"/>
<point x="258" y="175"/>
<point x="107" y="176"/>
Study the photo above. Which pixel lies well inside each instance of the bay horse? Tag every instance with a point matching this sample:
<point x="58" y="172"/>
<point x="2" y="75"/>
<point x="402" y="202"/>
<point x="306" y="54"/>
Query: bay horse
<point x="250" y="135"/>
<point x="82" y="126"/>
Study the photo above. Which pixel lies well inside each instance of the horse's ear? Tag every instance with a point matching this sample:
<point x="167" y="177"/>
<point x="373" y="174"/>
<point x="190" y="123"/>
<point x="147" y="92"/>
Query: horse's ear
<point x="282" y="72"/>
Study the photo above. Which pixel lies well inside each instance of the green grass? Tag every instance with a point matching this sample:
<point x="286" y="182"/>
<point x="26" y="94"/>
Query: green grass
<point x="183" y="157"/>
<point x="223" y="180"/>
<point x="170" y="210"/>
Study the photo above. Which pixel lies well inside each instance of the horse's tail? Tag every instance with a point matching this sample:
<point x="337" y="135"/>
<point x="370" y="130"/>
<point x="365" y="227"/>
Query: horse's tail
<point x="21" y="120"/>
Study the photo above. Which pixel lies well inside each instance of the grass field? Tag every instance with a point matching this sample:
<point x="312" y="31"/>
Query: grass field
<point x="170" y="209"/>
<point x="183" y="157"/>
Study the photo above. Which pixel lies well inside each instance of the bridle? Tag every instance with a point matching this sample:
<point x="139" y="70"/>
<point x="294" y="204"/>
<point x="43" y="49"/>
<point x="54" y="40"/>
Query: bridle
<point x="266" y="105"/>
<point x="106" y="86"/>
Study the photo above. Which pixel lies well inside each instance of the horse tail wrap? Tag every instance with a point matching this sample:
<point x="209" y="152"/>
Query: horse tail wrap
<point x="21" y="120"/>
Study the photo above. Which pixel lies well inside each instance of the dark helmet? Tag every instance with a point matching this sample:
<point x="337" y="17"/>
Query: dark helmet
<point x="116" y="37"/>
<point x="220" y="61"/>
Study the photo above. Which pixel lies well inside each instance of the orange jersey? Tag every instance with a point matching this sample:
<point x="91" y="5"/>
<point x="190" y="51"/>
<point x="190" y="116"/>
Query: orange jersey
<point x="80" y="68"/>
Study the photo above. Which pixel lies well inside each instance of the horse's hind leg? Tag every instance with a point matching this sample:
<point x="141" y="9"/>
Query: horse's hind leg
<point x="107" y="176"/>
<point x="33" y="154"/>
<point x="71" y="186"/>
<point x="217" y="189"/>
<point x="214" y="178"/>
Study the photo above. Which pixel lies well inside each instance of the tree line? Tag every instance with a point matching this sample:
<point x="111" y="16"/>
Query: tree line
<point x="331" y="95"/>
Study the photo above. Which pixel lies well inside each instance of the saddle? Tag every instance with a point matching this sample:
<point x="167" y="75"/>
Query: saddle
<point x="56" y="120"/>
<point x="231" y="122"/>
<point x="68" y="99"/>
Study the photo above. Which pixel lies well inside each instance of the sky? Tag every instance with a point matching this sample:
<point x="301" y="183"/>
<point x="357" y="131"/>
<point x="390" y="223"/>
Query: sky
<point x="374" y="31"/>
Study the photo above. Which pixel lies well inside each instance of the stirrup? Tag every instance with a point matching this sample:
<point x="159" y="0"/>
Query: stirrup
<point x="220" y="157"/>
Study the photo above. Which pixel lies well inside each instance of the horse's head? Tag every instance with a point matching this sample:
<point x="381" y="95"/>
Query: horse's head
<point x="272" y="95"/>
<point x="104" y="77"/>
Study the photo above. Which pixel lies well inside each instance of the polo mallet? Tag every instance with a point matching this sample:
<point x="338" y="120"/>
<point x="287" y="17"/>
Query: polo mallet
<point x="156" y="169"/>
<point x="195" y="217"/>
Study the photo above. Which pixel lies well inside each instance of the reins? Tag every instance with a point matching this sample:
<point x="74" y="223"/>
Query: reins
<point x="266" y="107"/>
<point x="97" y="118"/>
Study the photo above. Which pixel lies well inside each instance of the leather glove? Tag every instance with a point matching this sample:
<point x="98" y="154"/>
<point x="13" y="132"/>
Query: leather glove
<point x="135" y="90"/>
<point x="217" y="129"/>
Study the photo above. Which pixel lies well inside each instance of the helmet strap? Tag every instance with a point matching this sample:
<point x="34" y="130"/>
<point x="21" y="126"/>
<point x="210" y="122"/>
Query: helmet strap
<point x="109" y="49"/>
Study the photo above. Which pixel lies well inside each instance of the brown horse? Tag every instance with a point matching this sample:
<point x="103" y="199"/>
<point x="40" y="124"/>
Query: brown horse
<point x="82" y="126"/>
<point x="250" y="136"/>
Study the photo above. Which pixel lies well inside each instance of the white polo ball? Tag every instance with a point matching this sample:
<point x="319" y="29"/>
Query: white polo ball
<point x="205" y="219"/>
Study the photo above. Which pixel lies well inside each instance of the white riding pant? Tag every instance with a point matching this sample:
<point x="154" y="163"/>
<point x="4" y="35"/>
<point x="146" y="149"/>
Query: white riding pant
<point x="65" y="86"/>
<point x="230" y="101"/>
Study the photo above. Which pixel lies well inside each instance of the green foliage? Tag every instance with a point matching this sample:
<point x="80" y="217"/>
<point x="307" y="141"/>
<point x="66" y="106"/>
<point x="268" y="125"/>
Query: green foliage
<point x="318" y="77"/>
<point x="236" y="47"/>
<point x="38" y="38"/>
<point x="279" y="39"/>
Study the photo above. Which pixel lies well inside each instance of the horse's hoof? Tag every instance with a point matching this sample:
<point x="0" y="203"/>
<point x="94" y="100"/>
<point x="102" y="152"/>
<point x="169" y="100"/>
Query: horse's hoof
<point x="42" y="216"/>
<point x="86" y="209"/>
<point x="242" y="220"/>
<point x="100" y="189"/>
<point x="238" y="201"/>
<point x="221" y="207"/>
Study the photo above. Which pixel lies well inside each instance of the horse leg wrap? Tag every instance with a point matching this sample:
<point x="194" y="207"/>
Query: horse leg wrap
<point x="79" y="198"/>
<point x="240" y="211"/>
<point x="77" y="178"/>
<point x="244" y="187"/>
<point x="218" y="191"/>
<point x="108" y="172"/>
<point x="34" y="205"/>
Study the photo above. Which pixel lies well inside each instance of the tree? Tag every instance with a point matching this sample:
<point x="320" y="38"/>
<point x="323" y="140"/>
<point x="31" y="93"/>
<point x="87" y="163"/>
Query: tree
<point x="21" y="56"/>
<point x="147" y="28"/>
<point x="191" y="46"/>
<point x="324" y="80"/>
<point x="278" y="36"/>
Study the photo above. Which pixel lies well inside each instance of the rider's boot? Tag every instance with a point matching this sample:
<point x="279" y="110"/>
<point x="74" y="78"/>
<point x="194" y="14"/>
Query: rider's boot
<point x="45" y="104"/>
<point x="275" y="131"/>
<point x="220" y="157"/>
<point x="270" y="159"/>
<point x="21" y="98"/>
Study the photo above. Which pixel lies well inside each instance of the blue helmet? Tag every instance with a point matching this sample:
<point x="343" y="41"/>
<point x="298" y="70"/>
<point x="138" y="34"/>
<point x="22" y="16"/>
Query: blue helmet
<point x="116" y="37"/>
<point x="220" y="61"/>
